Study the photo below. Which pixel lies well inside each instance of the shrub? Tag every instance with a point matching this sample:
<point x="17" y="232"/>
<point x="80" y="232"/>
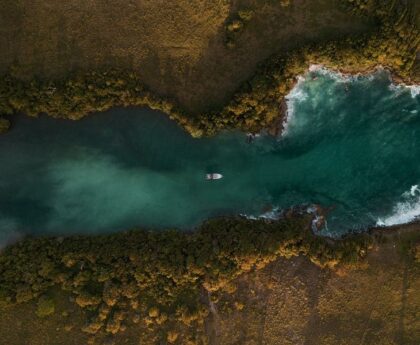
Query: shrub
<point x="45" y="306"/>
<point x="235" y="25"/>
<point x="85" y="299"/>
<point x="246" y="14"/>
<point x="172" y="337"/>
<point x="154" y="312"/>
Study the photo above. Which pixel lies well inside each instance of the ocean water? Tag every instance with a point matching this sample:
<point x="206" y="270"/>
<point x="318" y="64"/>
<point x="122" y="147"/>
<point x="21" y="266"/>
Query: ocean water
<point x="349" y="144"/>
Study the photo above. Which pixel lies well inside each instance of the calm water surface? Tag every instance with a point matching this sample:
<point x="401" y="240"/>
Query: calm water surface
<point x="350" y="144"/>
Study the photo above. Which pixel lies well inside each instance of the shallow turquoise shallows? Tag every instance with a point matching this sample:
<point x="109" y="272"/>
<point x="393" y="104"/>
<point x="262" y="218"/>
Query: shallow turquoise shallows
<point x="350" y="144"/>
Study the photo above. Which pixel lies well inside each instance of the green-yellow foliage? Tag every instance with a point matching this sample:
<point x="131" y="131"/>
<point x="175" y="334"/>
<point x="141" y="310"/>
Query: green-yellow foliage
<point x="172" y="337"/>
<point x="45" y="306"/>
<point x="235" y="25"/>
<point x="256" y="105"/>
<point x="259" y="102"/>
<point x="245" y="14"/>
<point x="160" y="275"/>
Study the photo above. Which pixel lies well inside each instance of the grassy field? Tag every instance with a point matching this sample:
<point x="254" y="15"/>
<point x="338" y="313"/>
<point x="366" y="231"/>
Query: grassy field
<point x="209" y="65"/>
<point x="294" y="302"/>
<point x="177" y="47"/>
<point x="288" y="302"/>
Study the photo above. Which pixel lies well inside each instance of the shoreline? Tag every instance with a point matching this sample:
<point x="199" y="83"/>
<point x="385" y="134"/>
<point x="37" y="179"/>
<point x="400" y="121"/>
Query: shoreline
<point x="275" y="129"/>
<point x="281" y="123"/>
<point x="255" y="104"/>
<point x="278" y="129"/>
<point x="291" y="214"/>
<point x="395" y="229"/>
<point x="379" y="271"/>
<point x="147" y="274"/>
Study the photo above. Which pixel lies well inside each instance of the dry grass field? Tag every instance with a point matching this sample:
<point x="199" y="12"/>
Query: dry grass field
<point x="178" y="47"/>
<point x="294" y="302"/>
<point x="290" y="302"/>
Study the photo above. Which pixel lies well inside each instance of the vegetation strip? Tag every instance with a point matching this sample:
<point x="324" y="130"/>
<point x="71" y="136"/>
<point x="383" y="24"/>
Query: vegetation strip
<point x="258" y="104"/>
<point x="160" y="276"/>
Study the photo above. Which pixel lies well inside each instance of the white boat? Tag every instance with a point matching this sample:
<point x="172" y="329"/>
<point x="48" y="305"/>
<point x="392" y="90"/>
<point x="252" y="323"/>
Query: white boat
<point x="213" y="176"/>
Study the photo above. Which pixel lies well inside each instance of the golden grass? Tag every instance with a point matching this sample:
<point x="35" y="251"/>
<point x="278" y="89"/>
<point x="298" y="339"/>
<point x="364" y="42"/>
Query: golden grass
<point x="178" y="47"/>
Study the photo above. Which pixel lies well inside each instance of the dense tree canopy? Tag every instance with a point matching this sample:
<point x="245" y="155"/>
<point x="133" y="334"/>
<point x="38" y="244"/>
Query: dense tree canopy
<point x="159" y="277"/>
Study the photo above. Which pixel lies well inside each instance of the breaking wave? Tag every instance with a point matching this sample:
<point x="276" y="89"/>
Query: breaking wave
<point x="273" y="214"/>
<point x="398" y="88"/>
<point x="405" y="211"/>
<point x="343" y="77"/>
<point x="296" y="95"/>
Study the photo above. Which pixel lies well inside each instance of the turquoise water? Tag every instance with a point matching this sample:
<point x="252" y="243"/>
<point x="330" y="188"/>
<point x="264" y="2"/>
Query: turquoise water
<point x="349" y="144"/>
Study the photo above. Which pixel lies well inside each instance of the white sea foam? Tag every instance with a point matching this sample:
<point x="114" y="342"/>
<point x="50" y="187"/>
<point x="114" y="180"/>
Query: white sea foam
<point x="277" y="213"/>
<point x="404" y="211"/>
<point x="273" y="214"/>
<point x="414" y="90"/>
<point x="396" y="89"/>
<point x="414" y="189"/>
<point x="322" y="70"/>
<point x="399" y="88"/>
<point x="296" y="95"/>
<point x="343" y="77"/>
<point x="315" y="68"/>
